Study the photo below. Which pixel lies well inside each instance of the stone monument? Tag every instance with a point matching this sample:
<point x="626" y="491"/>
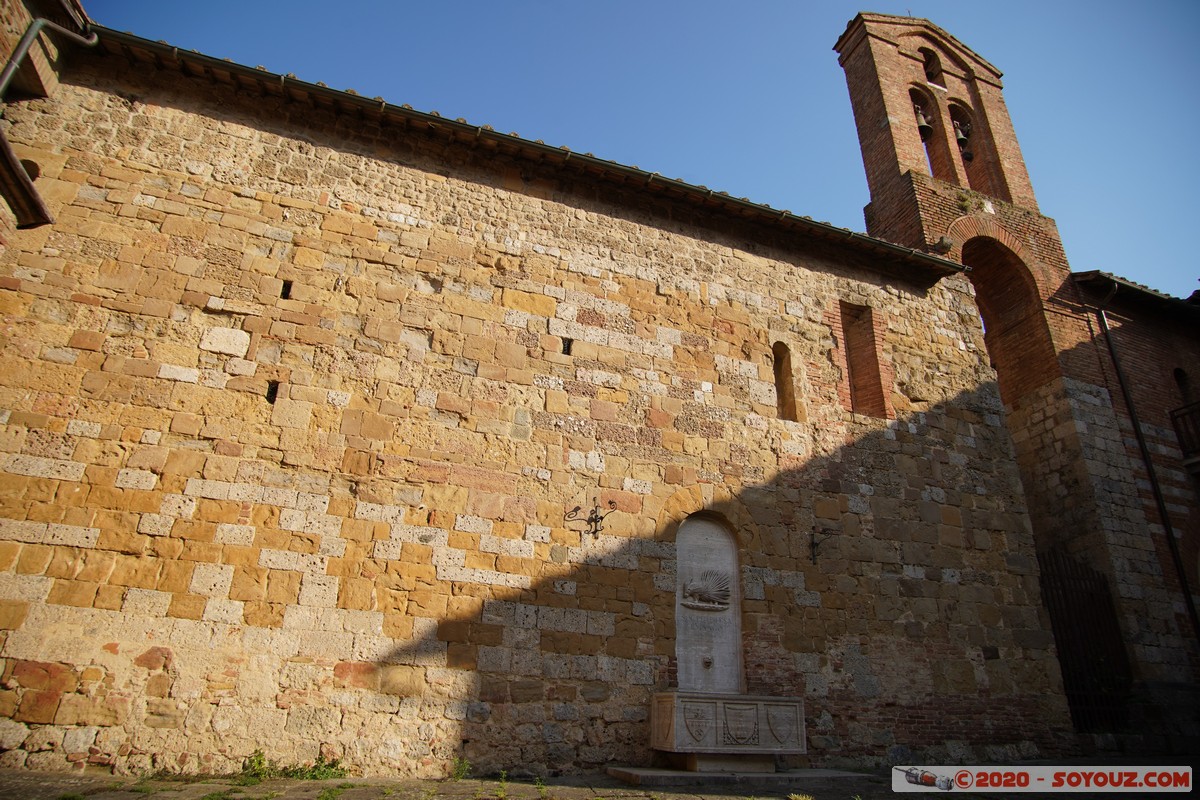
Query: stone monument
<point x="709" y="724"/>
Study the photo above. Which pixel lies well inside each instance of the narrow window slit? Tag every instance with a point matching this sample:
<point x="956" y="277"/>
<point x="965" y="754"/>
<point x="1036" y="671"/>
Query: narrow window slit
<point x="785" y="392"/>
<point x="566" y="345"/>
<point x="285" y="292"/>
<point x="272" y="391"/>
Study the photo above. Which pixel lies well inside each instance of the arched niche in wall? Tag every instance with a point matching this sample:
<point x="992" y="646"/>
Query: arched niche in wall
<point x="785" y="382"/>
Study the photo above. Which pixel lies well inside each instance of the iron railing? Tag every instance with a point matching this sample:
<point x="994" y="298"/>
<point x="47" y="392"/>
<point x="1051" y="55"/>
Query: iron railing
<point x="1091" y="651"/>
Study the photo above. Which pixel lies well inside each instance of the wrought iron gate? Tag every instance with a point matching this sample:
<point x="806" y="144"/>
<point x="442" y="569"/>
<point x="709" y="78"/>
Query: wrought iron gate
<point x="1095" y="667"/>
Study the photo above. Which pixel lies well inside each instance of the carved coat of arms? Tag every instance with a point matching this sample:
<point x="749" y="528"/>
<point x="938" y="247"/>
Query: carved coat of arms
<point x="698" y="719"/>
<point x="782" y="722"/>
<point x="741" y="723"/>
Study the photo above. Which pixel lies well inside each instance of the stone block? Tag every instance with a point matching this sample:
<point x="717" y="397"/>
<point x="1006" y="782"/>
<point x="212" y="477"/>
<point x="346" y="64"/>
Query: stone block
<point x="186" y="606"/>
<point x="73" y="593"/>
<point x="319" y="591"/>
<point x="38" y="467"/>
<point x="211" y="580"/>
<point x="38" y="707"/>
<point x="87" y="340"/>
<point x="229" y="341"/>
<point x="295" y="414"/>
<point x="173" y="372"/>
<point x="12" y="614"/>
<point x="357" y="675"/>
<point x="164" y="713"/>
<point x="136" y="479"/>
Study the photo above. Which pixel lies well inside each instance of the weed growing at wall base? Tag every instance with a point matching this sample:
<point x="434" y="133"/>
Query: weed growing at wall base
<point x="460" y="769"/>
<point x="257" y="768"/>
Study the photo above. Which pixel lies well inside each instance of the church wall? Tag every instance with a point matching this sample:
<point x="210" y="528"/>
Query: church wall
<point x="289" y="439"/>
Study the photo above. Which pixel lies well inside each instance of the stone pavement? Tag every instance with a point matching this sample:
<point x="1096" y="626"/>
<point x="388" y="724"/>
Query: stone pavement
<point x="23" y="785"/>
<point x="804" y="785"/>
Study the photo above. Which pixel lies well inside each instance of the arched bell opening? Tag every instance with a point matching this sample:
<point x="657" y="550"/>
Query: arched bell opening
<point x="973" y="150"/>
<point x="933" y="67"/>
<point x="927" y="119"/>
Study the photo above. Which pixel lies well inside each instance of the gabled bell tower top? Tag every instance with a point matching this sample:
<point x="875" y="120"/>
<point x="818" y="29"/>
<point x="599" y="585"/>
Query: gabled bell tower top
<point x="927" y="106"/>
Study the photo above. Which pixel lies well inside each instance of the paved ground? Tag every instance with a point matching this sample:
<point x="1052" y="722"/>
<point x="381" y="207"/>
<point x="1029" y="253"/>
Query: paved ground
<point x="815" y="784"/>
<point x="19" y="785"/>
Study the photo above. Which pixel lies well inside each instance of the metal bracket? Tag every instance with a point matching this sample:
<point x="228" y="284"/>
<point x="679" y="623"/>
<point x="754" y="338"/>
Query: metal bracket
<point x="819" y="539"/>
<point x="594" y="520"/>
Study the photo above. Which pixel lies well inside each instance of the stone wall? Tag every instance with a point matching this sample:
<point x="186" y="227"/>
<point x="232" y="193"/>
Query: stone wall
<point x="290" y="431"/>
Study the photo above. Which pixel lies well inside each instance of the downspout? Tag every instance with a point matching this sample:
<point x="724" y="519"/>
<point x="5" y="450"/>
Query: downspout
<point x="1155" y="488"/>
<point x="15" y="184"/>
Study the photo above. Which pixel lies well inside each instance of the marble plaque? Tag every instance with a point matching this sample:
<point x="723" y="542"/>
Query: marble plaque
<point x="708" y="629"/>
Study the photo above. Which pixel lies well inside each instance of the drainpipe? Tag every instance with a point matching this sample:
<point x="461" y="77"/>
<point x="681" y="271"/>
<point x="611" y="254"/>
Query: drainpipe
<point x="17" y="188"/>
<point x="1155" y="488"/>
<point x="27" y="40"/>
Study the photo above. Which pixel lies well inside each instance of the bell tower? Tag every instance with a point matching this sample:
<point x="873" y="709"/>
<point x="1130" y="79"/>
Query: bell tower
<point x="931" y="121"/>
<point x="946" y="175"/>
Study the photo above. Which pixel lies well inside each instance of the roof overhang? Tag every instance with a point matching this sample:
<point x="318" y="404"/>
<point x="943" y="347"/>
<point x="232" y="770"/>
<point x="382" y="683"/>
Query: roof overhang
<point x="1114" y="288"/>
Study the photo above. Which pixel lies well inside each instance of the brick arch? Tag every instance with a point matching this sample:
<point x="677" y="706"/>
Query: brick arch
<point x="1015" y="331"/>
<point x="710" y="500"/>
<point x="971" y="226"/>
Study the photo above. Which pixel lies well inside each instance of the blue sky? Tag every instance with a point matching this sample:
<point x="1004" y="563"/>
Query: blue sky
<point x="748" y="98"/>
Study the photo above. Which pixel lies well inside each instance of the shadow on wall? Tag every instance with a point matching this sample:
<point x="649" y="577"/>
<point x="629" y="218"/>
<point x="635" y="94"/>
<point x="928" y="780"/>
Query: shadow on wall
<point x="891" y="583"/>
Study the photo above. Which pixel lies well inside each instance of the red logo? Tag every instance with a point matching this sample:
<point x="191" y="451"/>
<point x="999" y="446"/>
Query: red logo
<point x="963" y="779"/>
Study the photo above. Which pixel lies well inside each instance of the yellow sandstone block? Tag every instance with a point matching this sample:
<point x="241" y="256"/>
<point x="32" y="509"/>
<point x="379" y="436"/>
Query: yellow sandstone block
<point x="34" y="559"/>
<point x="186" y="606"/>
<point x="73" y="593"/>
<point x="9" y="552"/>
<point x="12" y="614"/>
<point x="139" y="572"/>
<point x="307" y="257"/>
<point x="356" y="594"/>
<point x="249" y="584"/>
<point x="398" y="625"/>
<point x="110" y="597"/>
<point x="538" y="304"/>
<point x="283" y="586"/>
<point x="402" y="680"/>
<point x="174" y="576"/>
<point x="263" y="615"/>
<point x="424" y="603"/>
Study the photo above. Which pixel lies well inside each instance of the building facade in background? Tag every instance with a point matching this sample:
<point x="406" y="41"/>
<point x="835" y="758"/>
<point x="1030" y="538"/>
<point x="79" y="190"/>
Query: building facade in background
<point x="301" y="393"/>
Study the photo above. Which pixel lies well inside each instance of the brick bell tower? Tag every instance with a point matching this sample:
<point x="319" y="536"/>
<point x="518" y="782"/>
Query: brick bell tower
<point x="946" y="175"/>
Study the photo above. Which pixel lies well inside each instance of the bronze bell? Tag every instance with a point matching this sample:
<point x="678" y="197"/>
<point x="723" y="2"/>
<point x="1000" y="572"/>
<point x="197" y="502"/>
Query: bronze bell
<point x="961" y="136"/>
<point x="923" y="126"/>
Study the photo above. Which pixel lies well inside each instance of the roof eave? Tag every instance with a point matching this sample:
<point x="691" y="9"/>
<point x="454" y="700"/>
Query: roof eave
<point x="1126" y="289"/>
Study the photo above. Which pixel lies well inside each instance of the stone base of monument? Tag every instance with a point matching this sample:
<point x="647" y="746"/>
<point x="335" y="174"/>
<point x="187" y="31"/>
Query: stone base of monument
<point x="715" y="762"/>
<point x="785" y="780"/>
<point x="704" y="732"/>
